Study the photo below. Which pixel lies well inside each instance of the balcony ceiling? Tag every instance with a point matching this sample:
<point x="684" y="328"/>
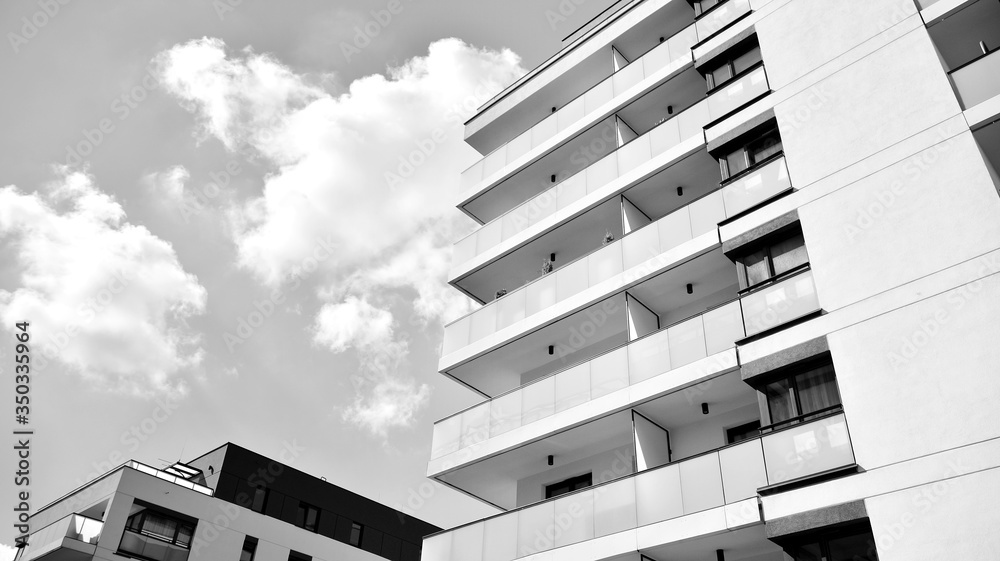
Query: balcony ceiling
<point x="744" y="544"/>
<point x="495" y="479"/>
<point x="591" y="63"/>
<point x="957" y="37"/>
<point x="723" y="394"/>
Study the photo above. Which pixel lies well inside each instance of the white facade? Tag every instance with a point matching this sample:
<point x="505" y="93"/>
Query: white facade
<point x="769" y="327"/>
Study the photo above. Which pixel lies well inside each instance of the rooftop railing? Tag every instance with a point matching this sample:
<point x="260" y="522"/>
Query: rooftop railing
<point x="148" y="470"/>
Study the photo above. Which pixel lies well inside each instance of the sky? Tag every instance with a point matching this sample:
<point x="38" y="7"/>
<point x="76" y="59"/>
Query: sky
<point x="231" y="220"/>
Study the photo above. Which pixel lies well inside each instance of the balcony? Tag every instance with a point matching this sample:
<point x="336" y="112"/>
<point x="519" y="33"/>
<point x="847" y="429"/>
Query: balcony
<point x="710" y="481"/>
<point x="719" y="486"/>
<point x="801" y="450"/>
<point x="720" y="16"/>
<point x="606" y="265"/>
<point x="656" y="354"/>
<point x="595" y="103"/>
<point x="977" y="81"/>
<point x="755" y="186"/>
<point x="73" y="538"/>
<point x="608" y="175"/>
<point x="783" y="299"/>
<point x="145" y="546"/>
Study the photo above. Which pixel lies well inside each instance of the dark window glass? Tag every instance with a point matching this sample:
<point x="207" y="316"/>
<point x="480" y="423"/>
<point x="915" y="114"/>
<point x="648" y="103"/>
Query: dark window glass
<point x="569" y="485"/>
<point x="774" y="258"/>
<point x="701" y="5"/>
<point x="156" y="536"/>
<point x="859" y="547"/>
<point x="802" y="394"/>
<point x="845" y="544"/>
<point x="356" y="531"/>
<point x="746" y="60"/>
<point x="259" y="499"/>
<point x="780" y="400"/>
<point x="789" y="253"/>
<point x="249" y="549"/>
<point x="307" y="517"/>
<point x="743" y="432"/>
<point x="763" y="147"/>
<point x="296" y="556"/>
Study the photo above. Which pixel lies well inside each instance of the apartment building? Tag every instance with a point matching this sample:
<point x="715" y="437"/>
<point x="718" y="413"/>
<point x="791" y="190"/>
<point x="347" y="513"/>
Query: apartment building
<point x="738" y="271"/>
<point x="230" y="504"/>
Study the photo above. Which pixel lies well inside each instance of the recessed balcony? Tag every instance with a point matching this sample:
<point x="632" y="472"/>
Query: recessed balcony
<point x="709" y="495"/>
<point x="720" y="16"/>
<point x="610" y="95"/>
<point x="635" y="164"/>
<point x="73" y="538"/>
<point x="579" y="389"/>
<point x="783" y="299"/>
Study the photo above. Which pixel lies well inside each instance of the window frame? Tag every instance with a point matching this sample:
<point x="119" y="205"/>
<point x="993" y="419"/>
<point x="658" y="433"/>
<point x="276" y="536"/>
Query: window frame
<point x="361" y="534"/>
<point x="180" y="523"/>
<point x="789" y="374"/>
<point x="304" y="509"/>
<point x="252" y="543"/>
<point x="744" y="428"/>
<point x="569" y="482"/>
<point x="262" y="490"/>
<point x="744" y="150"/>
<point x="767" y="244"/>
<point x="728" y="60"/>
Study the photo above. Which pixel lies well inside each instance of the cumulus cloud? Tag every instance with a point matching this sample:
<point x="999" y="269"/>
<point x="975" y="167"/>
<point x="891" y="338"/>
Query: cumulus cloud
<point x="373" y="170"/>
<point x="168" y="184"/>
<point x="105" y="297"/>
<point x="7" y="553"/>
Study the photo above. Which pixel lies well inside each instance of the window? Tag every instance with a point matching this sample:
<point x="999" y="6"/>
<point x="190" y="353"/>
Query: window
<point x="249" y="549"/>
<point x="356" y="531"/>
<point x="569" y="485"/>
<point x="701" y="6"/>
<point x="259" y="499"/>
<point x="307" y="517"/>
<point x="732" y="65"/>
<point x="758" y="148"/>
<point x="156" y="535"/>
<point x="802" y="394"/>
<point x="776" y="256"/>
<point x="296" y="556"/>
<point x="743" y="432"/>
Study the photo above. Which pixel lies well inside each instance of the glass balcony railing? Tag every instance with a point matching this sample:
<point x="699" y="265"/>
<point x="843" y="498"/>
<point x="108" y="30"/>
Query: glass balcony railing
<point x="806" y="449"/>
<point x="658" y="58"/>
<point x="171" y="478"/>
<point x="151" y="547"/>
<point x="756" y="186"/>
<point x="655" y="354"/>
<point x="720" y="16"/>
<point x="699" y="217"/>
<point x="710" y="480"/>
<point x="686" y="125"/>
<point x="50" y="538"/>
<point x="787" y="298"/>
<point x="976" y="81"/>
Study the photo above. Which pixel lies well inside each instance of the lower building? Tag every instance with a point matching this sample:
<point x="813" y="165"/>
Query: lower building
<point x="230" y="504"/>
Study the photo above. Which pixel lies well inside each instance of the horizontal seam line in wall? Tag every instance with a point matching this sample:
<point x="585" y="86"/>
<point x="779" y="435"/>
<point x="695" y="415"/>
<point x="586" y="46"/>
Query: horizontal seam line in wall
<point x="928" y="297"/>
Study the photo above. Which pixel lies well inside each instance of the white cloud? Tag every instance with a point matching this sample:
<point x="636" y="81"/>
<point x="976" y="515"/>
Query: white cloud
<point x="105" y="297"/>
<point x="168" y="185"/>
<point x="374" y="169"/>
<point x="7" y="552"/>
